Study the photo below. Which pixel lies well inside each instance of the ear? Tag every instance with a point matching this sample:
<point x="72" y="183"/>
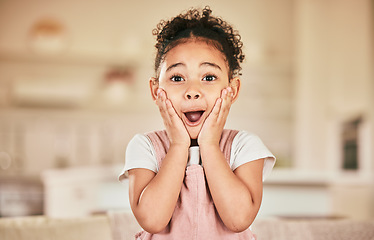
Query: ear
<point x="235" y="86"/>
<point x="153" y="85"/>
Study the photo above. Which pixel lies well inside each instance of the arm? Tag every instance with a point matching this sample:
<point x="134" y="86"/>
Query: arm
<point x="153" y="196"/>
<point x="237" y="195"/>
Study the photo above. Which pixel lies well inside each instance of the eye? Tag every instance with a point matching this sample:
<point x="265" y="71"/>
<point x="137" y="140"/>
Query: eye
<point x="176" y="78"/>
<point x="209" y="78"/>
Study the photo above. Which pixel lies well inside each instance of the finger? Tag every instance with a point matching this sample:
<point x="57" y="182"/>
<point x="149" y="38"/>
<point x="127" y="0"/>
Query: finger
<point x="172" y="114"/>
<point x="216" y="109"/>
<point x="226" y="103"/>
<point x="226" y="100"/>
<point x="170" y="109"/>
<point x="228" y="94"/>
<point x="162" y="106"/>
<point x="160" y="102"/>
<point x="175" y="119"/>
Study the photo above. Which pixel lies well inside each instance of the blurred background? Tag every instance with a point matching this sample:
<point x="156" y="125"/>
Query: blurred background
<point x="74" y="90"/>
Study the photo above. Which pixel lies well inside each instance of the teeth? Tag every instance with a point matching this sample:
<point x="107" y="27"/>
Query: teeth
<point x="194" y="116"/>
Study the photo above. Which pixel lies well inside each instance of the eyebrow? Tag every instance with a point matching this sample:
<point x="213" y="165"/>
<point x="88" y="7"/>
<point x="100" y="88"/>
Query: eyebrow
<point x="174" y="66"/>
<point x="202" y="64"/>
<point x="211" y="64"/>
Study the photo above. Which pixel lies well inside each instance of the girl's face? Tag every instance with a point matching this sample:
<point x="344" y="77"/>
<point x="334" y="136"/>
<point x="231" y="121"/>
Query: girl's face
<point x="193" y="75"/>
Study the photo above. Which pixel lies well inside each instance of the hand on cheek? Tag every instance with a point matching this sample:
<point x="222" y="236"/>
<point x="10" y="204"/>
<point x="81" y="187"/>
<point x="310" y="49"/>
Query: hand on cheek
<point x="175" y="128"/>
<point x="213" y="126"/>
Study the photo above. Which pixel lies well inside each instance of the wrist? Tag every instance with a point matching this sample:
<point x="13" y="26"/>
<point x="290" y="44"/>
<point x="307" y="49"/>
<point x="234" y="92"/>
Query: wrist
<point x="208" y="143"/>
<point x="209" y="153"/>
<point x="208" y="147"/>
<point x="180" y="153"/>
<point x="180" y="146"/>
<point x="180" y="142"/>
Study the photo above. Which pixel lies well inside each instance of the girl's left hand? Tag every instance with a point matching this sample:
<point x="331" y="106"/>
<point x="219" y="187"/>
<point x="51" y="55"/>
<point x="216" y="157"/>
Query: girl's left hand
<point x="212" y="128"/>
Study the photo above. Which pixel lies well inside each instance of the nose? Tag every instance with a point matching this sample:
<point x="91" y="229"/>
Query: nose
<point x="193" y="91"/>
<point x="193" y="95"/>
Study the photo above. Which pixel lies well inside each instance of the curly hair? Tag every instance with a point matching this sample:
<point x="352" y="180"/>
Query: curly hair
<point x="199" y="24"/>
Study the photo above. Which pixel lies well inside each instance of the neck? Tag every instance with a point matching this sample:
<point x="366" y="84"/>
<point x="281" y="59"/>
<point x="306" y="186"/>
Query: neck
<point x="194" y="143"/>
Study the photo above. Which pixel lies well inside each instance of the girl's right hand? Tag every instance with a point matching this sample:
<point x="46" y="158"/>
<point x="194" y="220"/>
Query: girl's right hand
<point x="175" y="128"/>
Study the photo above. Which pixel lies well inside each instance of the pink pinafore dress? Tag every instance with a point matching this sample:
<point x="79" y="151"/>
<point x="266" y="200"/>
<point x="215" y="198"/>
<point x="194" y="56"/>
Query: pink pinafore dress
<point x="195" y="216"/>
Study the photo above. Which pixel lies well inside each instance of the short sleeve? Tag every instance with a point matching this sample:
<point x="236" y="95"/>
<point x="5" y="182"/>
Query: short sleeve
<point x="139" y="154"/>
<point x="247" y="147"/>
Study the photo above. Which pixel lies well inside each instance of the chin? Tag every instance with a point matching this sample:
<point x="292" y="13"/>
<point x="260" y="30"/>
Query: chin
<point x="194" y="136"/>
<point x="194" y="133"/>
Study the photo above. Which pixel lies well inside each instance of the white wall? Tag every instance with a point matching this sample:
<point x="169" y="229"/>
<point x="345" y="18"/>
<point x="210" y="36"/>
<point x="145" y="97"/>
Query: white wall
<point x="333" y="77"/>
<point x="103" y="34"/>
<point x="308" y="69"/>
<point x="334" y="84"/>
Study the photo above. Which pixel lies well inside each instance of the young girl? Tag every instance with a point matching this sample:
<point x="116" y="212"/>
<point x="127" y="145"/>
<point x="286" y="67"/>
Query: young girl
<point x="195" y="179"/>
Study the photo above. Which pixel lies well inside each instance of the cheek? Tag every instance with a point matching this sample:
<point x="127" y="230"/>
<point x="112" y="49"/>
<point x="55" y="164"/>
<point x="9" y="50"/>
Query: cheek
<point x="174" y="97"/>
<point x="212" y="100"/>
<point x="171" y="94"/>
<point x="215" y="94"/>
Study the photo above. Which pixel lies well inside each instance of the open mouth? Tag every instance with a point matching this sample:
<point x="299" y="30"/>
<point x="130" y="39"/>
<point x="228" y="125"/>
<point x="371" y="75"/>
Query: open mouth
<point x="194" y="117"/>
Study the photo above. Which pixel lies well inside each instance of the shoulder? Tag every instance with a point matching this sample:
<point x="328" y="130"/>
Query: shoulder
<point x="140" y="153"/>
<point x="244" y="137"/>
<point x="139" y="142"/>
<point x="144" y="140"/>
<point x="247" y="147"/>
<point x="139" y="138"/>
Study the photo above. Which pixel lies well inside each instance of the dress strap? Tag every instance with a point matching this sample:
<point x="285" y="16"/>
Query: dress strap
<point x="225" y="143"/>
<point x="161" y="143"/>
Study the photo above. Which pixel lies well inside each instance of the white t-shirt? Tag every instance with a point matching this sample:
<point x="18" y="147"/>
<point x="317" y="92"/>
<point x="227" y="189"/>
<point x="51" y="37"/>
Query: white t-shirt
<point x="245" y="148"/>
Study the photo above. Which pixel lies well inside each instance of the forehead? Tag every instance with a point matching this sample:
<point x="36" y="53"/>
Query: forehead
<point x="194" y="51"/>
